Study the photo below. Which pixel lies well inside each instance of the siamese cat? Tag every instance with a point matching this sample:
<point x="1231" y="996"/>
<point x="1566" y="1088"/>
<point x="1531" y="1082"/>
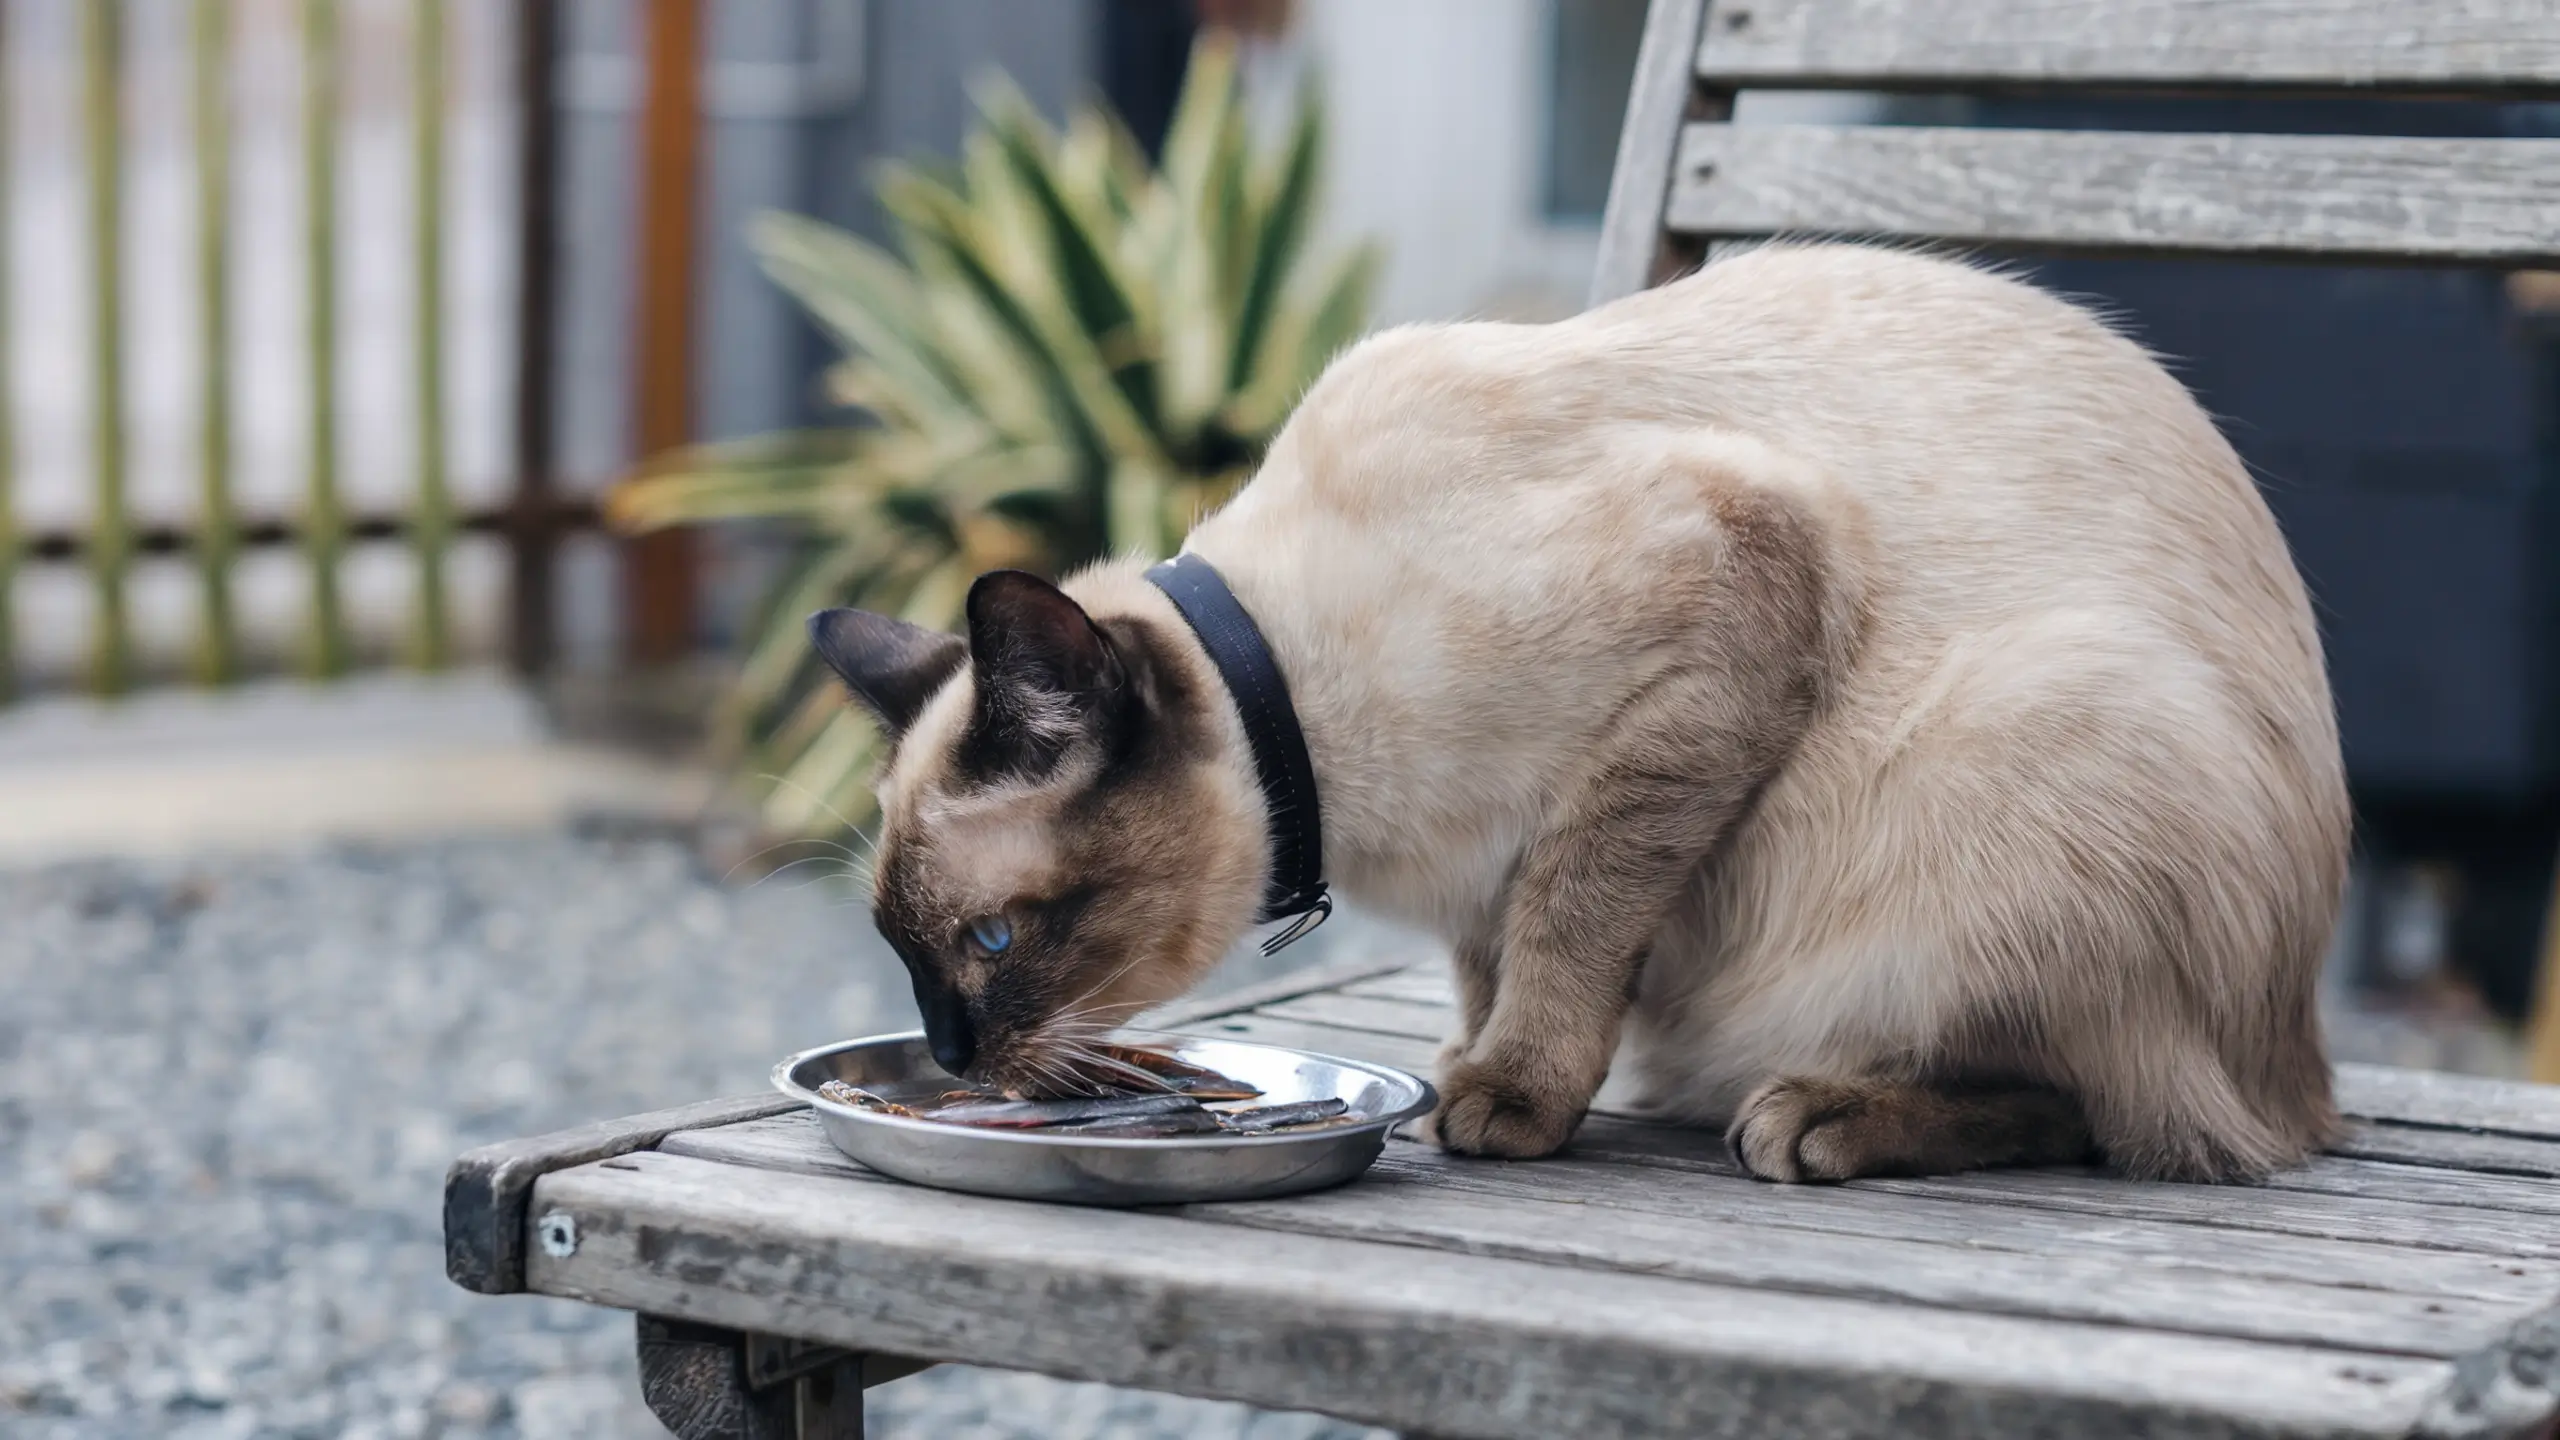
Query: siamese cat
<point x="1865" y="687"/>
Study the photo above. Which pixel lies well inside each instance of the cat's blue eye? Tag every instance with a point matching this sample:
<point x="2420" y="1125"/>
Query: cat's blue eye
<point x="992" y="933"/>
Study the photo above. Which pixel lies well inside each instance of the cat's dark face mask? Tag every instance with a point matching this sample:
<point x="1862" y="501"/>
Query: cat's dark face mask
<point x="1066" y="838"/>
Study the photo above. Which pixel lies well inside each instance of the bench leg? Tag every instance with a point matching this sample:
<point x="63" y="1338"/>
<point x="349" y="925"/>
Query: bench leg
<point x="704" y="1382"/>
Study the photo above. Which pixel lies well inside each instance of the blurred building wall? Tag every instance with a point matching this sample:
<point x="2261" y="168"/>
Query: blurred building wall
<point x="1476" y="138"/>
<point x="1440" y="124"/>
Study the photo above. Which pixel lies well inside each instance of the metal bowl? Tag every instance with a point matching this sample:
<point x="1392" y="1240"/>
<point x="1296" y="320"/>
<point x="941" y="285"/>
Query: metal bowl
<point x="1080" y="1170"/>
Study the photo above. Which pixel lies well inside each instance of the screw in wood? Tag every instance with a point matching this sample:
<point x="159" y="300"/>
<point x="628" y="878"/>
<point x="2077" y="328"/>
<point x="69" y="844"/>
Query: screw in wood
<point x="559" y="1234"/>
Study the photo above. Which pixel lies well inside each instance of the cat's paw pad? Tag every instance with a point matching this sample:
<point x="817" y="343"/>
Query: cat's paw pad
<point x="1487" y="1110"/>
<point x="1794" y="1131"/>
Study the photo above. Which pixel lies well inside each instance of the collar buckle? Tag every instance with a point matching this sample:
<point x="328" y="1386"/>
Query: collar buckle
<point x="1301" y="927"/>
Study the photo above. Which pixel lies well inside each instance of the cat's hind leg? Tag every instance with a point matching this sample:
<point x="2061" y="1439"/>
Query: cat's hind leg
<point x="1796" y="1130"/>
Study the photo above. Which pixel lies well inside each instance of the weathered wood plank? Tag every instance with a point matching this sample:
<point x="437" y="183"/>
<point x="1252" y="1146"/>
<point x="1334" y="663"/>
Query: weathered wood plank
<point x="2390" y="1180"/>
<point x="1419" y="984"/>
<point x="485" y="1190"/>
<point x="2291" y="1212"/>
<point x="1327" y="975"/>
<point x="1981" y="1224"/>
<point x="2423" y="1224"/>
<point x="1660" y="99"/>
<point x="1796" y="1234"/>
<point x="1395" y="1335"/>
<point x="792" y="1144"/>
<point x="2468" y="201"/>
<point x="1366" y="1012"/>
<point x="2459" y="1102"/>
<point x="1348" y="1023"/>
<point x="2486" y="47"/>
<point x="2449" y="1149"/>
<point x="1402" y="1052"/>
<point x="1843" y="1263"/>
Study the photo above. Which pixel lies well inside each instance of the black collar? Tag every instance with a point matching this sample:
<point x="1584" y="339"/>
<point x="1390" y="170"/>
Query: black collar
<point x="1253" y="677"/>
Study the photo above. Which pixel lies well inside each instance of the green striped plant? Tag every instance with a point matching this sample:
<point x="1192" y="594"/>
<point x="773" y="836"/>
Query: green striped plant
<point x="1071" y="355"/>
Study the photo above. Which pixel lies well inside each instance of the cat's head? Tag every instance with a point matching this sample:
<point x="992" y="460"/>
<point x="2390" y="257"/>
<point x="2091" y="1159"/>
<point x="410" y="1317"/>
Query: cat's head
<point x="1070" y="828"/>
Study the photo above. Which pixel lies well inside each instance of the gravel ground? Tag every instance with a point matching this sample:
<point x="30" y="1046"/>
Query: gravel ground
<point x="204" y="1232"/>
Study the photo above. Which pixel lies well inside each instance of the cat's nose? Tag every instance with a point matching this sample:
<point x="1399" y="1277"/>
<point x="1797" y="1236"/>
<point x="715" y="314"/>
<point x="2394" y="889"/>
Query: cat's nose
<point x="947" y="1030"/>
<point x="953" y="1049"/>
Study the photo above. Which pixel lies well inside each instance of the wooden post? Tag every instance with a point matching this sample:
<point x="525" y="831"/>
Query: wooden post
<point x="704" y="1382"/>
<point x="658" y="583"/>
<point x="1634" y="253"/>
<point x="432" y="532"/>
<point x="217" y="528"/>
<point x="532" y="534"/>
<point x="324" y="514"/>
<point x="9" y="541"/>
<point x="110" y="547"/>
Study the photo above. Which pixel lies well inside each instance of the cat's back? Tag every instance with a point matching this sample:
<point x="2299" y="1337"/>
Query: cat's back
<point x="1952" y="398"/>
<point x="1985" y="456"/>
<point x="2010" y="451"/>
<point x="1959" y="408"/>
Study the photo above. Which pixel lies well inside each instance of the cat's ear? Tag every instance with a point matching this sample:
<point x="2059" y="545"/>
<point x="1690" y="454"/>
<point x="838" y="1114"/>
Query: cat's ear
<point x="892" y="667"/>
<point x="1045" y="674"/>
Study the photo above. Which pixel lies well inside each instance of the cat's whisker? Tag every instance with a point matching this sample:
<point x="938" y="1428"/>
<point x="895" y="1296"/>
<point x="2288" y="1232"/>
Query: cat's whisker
<point x="781" y="870"/>
<point x="813" y="798"/>
<point x="1107" y="981"/>
<point x="732" y="872"/>
<point x="1139" y="1075"/>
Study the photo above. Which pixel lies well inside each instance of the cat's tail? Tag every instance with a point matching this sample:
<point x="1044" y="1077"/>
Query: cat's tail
<point x="2163" y="1106"/>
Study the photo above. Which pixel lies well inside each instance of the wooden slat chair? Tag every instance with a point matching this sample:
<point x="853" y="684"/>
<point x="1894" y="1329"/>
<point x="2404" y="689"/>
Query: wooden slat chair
<point x="1687" y="176"/>
<point x="1689" y="180"/>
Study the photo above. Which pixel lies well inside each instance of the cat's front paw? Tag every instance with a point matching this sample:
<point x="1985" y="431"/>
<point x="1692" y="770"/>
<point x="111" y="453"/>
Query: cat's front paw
<point x="1506" y="1111"/>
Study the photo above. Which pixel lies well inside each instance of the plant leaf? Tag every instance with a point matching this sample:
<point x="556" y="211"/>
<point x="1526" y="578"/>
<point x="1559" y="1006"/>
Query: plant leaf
<point x="1088" y="275"/>
<point x="859" y="292"/>
<point x="1305" y="338"/>
<point x="1285" y="201"/>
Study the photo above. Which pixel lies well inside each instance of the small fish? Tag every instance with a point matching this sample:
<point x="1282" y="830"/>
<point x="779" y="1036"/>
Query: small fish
<point x="1039" y="1114"/>
<point x="1144" y="1127"/>
<point x="1262" y="1120"/>
<point x="1180" y="1076"/>
<point x="860" y="1099"/>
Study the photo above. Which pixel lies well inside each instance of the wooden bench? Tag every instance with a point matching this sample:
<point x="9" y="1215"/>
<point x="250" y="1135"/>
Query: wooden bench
<point x="2407" y="1284"/>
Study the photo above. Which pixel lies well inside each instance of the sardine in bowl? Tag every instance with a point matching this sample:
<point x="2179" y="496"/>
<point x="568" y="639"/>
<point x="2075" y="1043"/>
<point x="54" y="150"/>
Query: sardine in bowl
<point x="1100" y="1170"/>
